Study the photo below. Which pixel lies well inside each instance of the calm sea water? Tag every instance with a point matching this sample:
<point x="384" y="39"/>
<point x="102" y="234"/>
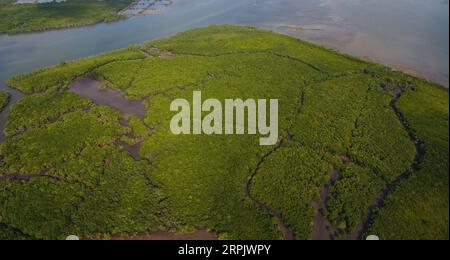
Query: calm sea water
<point x="412" y="35"/>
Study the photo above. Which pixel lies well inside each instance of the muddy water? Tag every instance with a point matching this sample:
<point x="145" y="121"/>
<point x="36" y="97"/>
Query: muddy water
<point x="323" y="229"/>
<point x="90" y="89"/>
<point x="409" y="35"/>
<point x="133" y="150"/>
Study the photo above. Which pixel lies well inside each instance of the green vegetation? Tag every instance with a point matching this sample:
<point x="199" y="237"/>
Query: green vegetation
<point x="7" y="233"/>
<point x="104" y="191"/>
<point x="46" y="16"/>
<point x="6" y="2"/>
<point x="337" y="113"/>
<point x="422" y="201"/>
<point x="60" y="140"/>
<point x="59" y="77"/>
<point x="289" y="180"/>
<point x="34" y="111"/>
<point x="4" y="99"/>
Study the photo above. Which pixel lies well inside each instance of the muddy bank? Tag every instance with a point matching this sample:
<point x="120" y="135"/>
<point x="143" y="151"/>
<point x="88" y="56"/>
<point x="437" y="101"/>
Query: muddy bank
<point x="90" y="89"/>
<point x="133" y="150"/>
<point x="199" y="234"/>
<point x="323" y="230"/>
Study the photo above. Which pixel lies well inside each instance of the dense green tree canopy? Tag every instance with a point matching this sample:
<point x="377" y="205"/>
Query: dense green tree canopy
<point x="66" y="166"/>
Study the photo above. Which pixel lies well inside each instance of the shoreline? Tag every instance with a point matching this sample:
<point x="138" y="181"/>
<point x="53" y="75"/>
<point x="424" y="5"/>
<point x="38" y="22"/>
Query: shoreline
<point x="61" y="28"/>
<point x="48" y="28"/>
<point x="403" y="68"/>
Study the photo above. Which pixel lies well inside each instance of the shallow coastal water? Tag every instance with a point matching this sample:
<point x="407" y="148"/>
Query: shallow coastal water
<point x="411" y="35"/>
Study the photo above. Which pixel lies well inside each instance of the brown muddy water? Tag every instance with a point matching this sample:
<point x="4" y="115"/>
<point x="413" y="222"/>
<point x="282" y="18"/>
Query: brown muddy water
<point x="92" y="90"/>
<point x="323" y="230"/>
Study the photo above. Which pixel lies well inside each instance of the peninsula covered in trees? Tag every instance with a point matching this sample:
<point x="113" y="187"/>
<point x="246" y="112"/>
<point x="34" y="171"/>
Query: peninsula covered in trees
<point x="374" y="139"/>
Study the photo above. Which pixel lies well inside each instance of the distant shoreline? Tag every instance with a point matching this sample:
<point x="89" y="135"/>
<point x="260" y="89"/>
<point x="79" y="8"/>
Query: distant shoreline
<point x="98" y="12"/>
